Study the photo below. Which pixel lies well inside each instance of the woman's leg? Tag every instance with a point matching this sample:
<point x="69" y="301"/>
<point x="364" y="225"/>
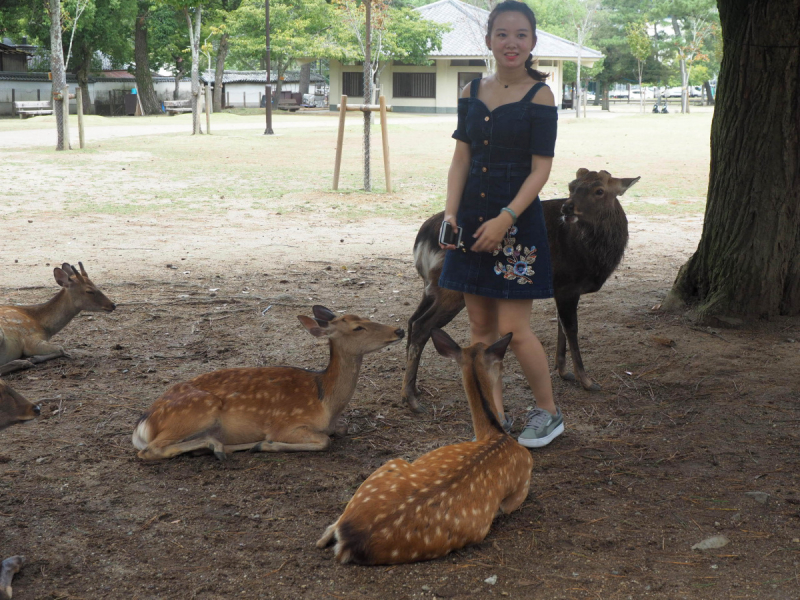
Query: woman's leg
<point x="515" y="316"/>
<point x="483" y="327"/>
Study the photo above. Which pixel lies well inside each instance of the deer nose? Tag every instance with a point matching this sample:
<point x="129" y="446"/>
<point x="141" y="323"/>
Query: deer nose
<point x="399" y="333"/>
<point x="37" y="409"/>
<point x="567" y="209"/>
<point x="112" y="308"/>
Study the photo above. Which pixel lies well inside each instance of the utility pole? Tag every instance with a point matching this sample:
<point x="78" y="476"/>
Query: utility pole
<point x="268" y="89"/>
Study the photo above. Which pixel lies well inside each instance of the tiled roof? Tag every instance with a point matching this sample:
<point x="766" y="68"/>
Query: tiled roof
<point x="468" y="30"/>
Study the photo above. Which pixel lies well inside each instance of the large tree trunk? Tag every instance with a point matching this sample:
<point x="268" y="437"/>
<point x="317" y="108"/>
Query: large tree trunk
<point x="57" y="69"/>
<point x="305" y="78"/>
<point x="219" y="71"/>
<point x="83" y="71"/>
<point x="747" y="263"/>
<point x="144" y="78"/>
<point x="194" y="36"/>
<point x="709" y="95"/>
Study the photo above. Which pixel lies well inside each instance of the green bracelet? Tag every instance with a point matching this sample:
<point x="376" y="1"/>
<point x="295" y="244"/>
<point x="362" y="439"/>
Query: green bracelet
<point x="512" y="213"/>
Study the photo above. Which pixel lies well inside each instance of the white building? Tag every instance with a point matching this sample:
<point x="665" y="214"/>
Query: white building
<point x="463" y="56"/>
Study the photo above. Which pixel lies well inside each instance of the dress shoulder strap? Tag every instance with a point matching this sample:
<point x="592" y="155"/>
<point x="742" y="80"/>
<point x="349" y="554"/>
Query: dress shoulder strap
<point x="532" y="92"/>
<point x="473" y="88"/>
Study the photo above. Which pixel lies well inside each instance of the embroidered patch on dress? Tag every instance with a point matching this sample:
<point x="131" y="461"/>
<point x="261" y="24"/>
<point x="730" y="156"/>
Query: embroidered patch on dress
<point x="518" y="259"/>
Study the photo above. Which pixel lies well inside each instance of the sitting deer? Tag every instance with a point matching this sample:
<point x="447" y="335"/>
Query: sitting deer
<point x="25" y="331"/>
<point x="587" y="233"/>
<point x="447" y="498"/>
<point x="13" y="409"/>
<point x="265" y="409"/>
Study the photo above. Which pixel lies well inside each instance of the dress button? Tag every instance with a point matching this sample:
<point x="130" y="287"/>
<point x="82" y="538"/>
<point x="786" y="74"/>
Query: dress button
<point x="486" y="118"/>
<point x="480" y="219"/>
<point x="483" y="194"/>
<point x="483" y="169"/>
<point x="485" y="142"/>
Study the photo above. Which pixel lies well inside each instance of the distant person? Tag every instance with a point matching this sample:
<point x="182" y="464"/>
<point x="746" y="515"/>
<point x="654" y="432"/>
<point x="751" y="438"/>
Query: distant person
<point x="504" y="151"/>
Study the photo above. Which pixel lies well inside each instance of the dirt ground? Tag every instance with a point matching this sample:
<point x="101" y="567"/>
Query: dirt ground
<point x="695" y="433"/>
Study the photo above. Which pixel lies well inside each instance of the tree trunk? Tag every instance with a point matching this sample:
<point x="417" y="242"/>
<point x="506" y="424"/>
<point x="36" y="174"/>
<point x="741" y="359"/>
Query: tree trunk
<point x="305" y="78"/>
<point x="82" y="73"/>
<point x="684" y="74"/>
<point x="606" y="100"/>
<point x="748" y="260"/>
<point x="709" y="95"/>
<point x="194" y="37"/>
<point x="219" y="71"/>
<point x="179" y="71"/>
<point x="144" y="78"/>
<point x="57" y="69"/>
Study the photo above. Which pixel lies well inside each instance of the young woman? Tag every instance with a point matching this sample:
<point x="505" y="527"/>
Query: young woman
<point x="504" y="150"/>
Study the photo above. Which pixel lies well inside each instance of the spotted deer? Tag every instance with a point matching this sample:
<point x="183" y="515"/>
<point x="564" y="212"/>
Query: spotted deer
<point x="25" y="331"/>
<point x="587" y="233"/>
<point x="265" y="409"/>
<point x="406" y="512"/>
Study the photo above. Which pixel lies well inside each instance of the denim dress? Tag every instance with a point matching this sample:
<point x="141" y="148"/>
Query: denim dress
<point x="502" y="142"/>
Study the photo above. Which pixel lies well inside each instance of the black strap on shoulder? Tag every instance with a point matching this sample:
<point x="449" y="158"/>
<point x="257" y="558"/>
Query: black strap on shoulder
<point x="532" y="92"/>
<point x="473" y="88"/>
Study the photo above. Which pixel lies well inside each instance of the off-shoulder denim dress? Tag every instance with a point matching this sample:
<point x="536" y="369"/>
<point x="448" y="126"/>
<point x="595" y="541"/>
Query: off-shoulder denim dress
<point x="502" y="142"/>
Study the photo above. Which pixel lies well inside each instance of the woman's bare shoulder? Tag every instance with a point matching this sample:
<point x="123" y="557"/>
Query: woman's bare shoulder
<point x="544" y="96"/>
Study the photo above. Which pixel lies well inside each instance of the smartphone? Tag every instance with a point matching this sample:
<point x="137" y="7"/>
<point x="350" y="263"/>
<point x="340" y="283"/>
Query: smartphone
<point x="449" y="237"/>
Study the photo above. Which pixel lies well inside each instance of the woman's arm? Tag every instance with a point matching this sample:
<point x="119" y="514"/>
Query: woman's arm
<point x="491" y="233"/>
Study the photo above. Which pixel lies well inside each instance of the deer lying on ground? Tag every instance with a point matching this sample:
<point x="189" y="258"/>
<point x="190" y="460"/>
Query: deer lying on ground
<point x="25" y="331"/>
<point x="447" y="498"/>
<point x="266" y="409"/>
<point x="587" y="233"/>
<point x="13" y="409"/>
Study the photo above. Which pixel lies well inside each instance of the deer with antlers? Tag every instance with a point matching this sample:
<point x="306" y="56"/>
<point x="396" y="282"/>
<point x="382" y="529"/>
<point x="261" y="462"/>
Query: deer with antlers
<point x="448" y="498"/>
<point x="25" y="331"/>
<point x="265" y="409"/>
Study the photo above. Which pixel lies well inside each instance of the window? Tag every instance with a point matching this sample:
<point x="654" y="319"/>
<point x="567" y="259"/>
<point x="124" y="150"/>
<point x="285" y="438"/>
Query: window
<point x="353" y="85"/>
<point x="414" y="85"/>
<point x="467" y="63"/>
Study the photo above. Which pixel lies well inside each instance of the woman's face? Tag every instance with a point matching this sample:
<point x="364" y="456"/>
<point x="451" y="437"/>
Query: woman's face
<point x="511" y="39"/>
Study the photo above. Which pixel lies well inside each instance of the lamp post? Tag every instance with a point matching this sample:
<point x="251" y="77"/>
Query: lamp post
<point x="268" y="88"/>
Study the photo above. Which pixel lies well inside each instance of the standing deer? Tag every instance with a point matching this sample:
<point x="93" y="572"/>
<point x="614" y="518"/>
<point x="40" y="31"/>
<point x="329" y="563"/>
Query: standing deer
<point x="447" y="498"/>
<point x="25" y="331"/>
<point x="13" y="409"/>
<point x="587" y="233"/>
<point x="265" y="409"/>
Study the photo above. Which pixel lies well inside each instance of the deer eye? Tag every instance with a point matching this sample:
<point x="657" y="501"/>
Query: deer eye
<point x="599" y="192"/>
<point x="90" y="292"/>
<point x="359" y="328"/>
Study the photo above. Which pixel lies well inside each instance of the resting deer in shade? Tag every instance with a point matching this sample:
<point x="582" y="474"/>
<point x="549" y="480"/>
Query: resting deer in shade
<point x="447" y="498"/>
<point x="25" y="331"/>
<point x="265" y="409"/>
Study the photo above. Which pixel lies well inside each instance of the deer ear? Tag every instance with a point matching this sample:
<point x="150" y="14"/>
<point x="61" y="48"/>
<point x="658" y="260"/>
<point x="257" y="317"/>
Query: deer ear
<point x="445" y="344"/>
<point x="498" y="349"/>
<point x="323" y="314"/>
<point x="623" y="184"/>
<point x="581" y="173"/>
<point x="83" y="271"/>
<point x="62" y="277"/>
<point x="311" y="326"/>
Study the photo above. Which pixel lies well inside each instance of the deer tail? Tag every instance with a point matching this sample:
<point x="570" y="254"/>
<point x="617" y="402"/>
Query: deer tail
<point x="142" y="434"/>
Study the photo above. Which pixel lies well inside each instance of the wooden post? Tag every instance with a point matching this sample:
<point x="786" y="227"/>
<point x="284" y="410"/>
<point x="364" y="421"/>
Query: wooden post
<point x="38" y="95"/>
<point x="13" y="99"/>
<point x="385" y="140"/>
<point x="65" y="116"/>
<point x="244" y="99"/>
<point x="79" y="100"/>
<point x="227" y="98"/>
<point x="339" y="142"/>
<point x="208" y="109"/>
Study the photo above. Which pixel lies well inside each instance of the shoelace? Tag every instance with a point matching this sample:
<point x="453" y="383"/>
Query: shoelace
<point x="537" y="417"/>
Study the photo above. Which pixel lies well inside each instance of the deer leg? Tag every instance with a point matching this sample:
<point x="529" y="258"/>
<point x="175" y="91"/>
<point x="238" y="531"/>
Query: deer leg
<point x="328" y="537"/>
<point x="299" y="440"/>
<point x="443" y="308"/>
<point x="43" y="351"/>
<point x="515" y="500"/>
<point x="561" y="355"/>
<point x="568" y="321"/>
<point x="15" y="365"/>
<point x="205" y="440"/>
<point x="10" y="567"/>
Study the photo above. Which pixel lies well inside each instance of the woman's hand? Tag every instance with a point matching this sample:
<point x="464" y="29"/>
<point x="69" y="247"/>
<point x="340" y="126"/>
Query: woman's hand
<point x="452" y="220"/>
<point x="491" y="233"/>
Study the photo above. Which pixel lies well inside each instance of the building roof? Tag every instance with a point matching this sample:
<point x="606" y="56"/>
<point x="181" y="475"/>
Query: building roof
<point x="12" y="49"/>
<point x="466" y="37"/>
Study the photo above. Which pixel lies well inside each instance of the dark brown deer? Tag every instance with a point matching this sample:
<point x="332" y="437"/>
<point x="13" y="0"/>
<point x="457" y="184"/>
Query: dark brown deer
<point x="13" y="409"/>
<point x="265" y="409"/>
<point x="406" y="512"/>
<point x="25" y="331"/>
<point x="587" y="233"/>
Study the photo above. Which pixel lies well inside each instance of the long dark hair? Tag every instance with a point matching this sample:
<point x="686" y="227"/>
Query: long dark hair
<point x="520" y="7"/>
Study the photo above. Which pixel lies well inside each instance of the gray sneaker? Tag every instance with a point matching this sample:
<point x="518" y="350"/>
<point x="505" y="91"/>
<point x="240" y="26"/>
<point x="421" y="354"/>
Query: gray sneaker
<point x="541" y="428"/>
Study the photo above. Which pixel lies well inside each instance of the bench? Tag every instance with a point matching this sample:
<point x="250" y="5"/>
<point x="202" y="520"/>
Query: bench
<point x="29" y="108"/>
<point x="291" y="106"/>
<point x="174" y="107"/>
